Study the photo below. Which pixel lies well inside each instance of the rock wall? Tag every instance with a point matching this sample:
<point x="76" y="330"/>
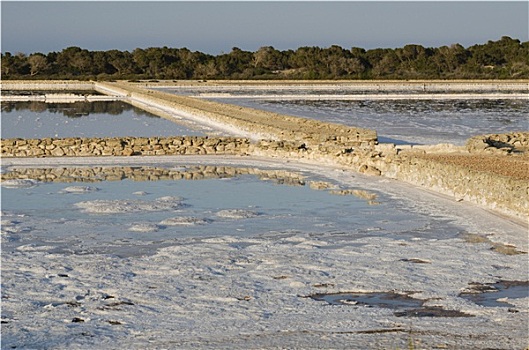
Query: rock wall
<point x="493" y="181"/>
<point x="504" y="194"/>
<point x="494" y="143"/>
<point x="122" y="146"/>
<point x="420" y="165"/>
<point x="442" y="168"/>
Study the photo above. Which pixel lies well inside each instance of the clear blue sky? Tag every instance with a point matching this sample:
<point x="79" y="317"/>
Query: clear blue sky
<point x="215" y="27"/>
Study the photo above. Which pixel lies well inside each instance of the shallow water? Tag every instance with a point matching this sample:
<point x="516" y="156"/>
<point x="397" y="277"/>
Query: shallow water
<point x="497" y="294"/>
<point x="397" y="121"/>
<point x="404" y="305"/>
<point x="101" y="259"/>
<point x="411" y="121"/>
<point x="82" y="216"/>
<point x="385" y="300"/>
<point x="85" y="119"/>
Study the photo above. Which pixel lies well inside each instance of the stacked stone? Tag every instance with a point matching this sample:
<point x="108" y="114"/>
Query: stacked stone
<point x="494" y="143"/>
<point x="122" y="146"/>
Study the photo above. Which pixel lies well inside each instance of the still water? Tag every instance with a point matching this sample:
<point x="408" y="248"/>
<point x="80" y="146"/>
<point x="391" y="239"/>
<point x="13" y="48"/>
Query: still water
<point x="81" y="215"/>
<point x="414" y="121"/>
<point x="411" y="121"/>
<point x="85" y="119"/>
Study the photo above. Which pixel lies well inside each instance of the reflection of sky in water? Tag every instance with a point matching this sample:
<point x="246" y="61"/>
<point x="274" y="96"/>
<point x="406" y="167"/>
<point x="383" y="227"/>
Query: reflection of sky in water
<point x="417" y="121"/>
<point x="46" y="214"/>
<point x="82" y="119"/>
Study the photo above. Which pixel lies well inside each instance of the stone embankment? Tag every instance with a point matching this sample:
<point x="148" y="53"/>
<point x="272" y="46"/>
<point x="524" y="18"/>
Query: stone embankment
<point x="379" y="86"/>
<point x="46" y="85"/>
<point x="497" y="180"/>
<point x="59" y="98"/>
<point x="123" y="146"/>
<point x="252" y="122"/>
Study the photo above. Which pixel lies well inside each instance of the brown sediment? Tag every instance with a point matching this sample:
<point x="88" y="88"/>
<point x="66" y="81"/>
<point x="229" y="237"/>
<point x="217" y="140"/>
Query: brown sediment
<point x="516" y="167"/>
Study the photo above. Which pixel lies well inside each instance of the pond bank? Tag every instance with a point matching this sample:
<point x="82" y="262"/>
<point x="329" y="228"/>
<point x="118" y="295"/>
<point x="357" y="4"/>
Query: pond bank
<point x="461" y="172"/>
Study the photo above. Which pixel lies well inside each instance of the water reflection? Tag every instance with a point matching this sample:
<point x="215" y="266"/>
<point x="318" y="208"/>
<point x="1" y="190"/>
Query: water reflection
<point x="75" y="109"/>
<point x="147" y="173"/>
<point x="37" y="119"/>
<point x="44" y="92"/>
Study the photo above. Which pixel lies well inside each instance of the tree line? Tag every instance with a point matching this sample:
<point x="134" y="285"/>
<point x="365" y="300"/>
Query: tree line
<point x="506" y="58"/>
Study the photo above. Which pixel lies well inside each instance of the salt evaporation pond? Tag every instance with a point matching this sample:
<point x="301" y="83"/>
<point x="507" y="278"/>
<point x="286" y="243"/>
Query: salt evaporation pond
<point x="397" y="121"/>
<point x="143" y="256"/>
<point x="411" y="121"/>
<point x="86" y="215"/>
<point x="228" y="256"/>
<point x="85" y="119"/>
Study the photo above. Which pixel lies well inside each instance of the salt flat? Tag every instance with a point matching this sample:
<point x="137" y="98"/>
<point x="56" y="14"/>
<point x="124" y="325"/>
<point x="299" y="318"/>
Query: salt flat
<point x="242" y="289"/>
<point x="235" y="291"/>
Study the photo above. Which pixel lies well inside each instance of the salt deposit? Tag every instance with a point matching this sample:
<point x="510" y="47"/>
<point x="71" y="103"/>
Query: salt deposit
<point x="19" y="183"/>
<point x="170" y="199"/>
<point x="252" y="290"/>
<point x="184" y="221"/>
<point x="140" y="193"/>
<point x="79" y="189"/>
<point x="129" y="206"/>
<point x="237" y="213"/>
<point x="144" y="227"/>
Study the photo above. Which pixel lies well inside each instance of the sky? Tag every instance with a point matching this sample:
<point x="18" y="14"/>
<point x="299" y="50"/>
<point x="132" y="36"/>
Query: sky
<point x="218" y="26"/>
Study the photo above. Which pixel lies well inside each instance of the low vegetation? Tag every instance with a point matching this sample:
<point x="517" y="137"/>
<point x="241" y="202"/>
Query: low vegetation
<point x="506" y="58"/>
